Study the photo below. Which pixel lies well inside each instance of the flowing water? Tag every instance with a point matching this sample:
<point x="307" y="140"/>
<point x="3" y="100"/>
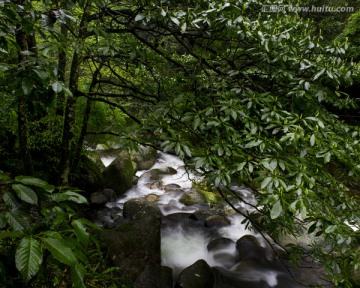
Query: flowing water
<point x="185" y="241"/>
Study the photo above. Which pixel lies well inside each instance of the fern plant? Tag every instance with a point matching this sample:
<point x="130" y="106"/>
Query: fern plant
<point x="39" y="222"/>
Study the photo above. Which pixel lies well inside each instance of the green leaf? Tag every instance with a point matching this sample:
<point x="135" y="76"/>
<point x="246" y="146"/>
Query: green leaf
<point x="175" y="20"/>
<point x="75" y="197"/>
<point x="80" y="231"/>
<point x="25" y="193"/>
<point x="57" y="86"/>
<point x="139" y="17"/>
<point x="28" y="257"/>
<point x="17" y="219"/>
<point x="78" y="272"/>
<point x="4" y="178"/>
<point x="312" y="140"/>
<point x="253" y="144"/>
<point x="28" y="180"/>
<point x="27" y="86"/>
<point x="60" y="250"/>
<point x="276" y="210"/>
<point x="10" y="199"/>
<point x="265" y="182"/>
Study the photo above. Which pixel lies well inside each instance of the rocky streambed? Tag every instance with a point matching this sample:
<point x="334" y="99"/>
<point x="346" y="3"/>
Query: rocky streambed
<point x="165" y="231"/>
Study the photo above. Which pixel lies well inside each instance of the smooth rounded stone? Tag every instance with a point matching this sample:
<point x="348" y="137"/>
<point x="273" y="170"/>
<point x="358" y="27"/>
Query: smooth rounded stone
<point x="172" y="187"/>
<point x="198" y="275"/>
<point x="152" y="197"/>
<point x="216" y="221"/>
<point x="98" y="199"/>
<point x="119" y="174"/>
<point x="156" y="185"/>
<point x="220" y="243"/>
<point x="200" y="215"/>
<point x="154" y="277"/>
<point x="227" y="260"/>
<point x="144" y="159"/>
<point x="192" y="197"/>
<point x="249" y="248"/>
<point x="110" y="194"/>
<point x="158" y="174"/>
<point x="139" y="208"/>
<point x="103" y="213"/>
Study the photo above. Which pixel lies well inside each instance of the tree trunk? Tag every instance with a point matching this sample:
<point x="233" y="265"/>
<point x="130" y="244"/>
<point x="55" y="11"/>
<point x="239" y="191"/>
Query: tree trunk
<point x="22" y="42"/>
<point x="69" y="117"/>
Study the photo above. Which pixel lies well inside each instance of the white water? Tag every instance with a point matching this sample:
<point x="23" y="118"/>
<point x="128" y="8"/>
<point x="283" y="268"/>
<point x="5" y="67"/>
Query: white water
<point x="181" y="246"/>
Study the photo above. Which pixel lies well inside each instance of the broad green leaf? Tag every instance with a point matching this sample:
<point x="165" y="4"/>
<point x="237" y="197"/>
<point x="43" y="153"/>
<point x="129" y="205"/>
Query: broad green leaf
<point x="28" y="180"/>
<point x="139" y="17"/>
<point x="11" y="234"/>
<point x="327" y="157"/>
<point x="28" y="257"/>
<point x="276" y="210"/>
<point x="10" y="199"/>
<point x="60" y="250"/>
<point x="312" y="140"/>
<point x="75" y="197"/>
<point x="265" y="182"/>
<point x="175" y="20"/>
<point x="57" y="86"/>
<point x="78" y="272"/>
<point x="253" y="144"/>
<point x="17" y="219"/>
<point x="80" y="231"/>
<point x="25" y="193"/>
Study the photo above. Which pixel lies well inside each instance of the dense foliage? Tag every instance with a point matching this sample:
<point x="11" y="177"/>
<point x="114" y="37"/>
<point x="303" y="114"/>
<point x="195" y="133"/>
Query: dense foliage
<point x="242" y="96"/>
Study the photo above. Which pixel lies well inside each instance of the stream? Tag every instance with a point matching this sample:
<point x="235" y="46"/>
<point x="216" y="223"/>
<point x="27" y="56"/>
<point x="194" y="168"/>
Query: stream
<point x="184" y="241"/>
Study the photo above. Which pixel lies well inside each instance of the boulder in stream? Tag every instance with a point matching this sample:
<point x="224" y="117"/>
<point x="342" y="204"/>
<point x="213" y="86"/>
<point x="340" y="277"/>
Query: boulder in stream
<point x="135" y="246"/>
<point x="216" y="221"/>
<point x="138" y="208"/>
<point x="192" y="197"/>
<point x="119" y="174"/>
<point x="198" y="275"/>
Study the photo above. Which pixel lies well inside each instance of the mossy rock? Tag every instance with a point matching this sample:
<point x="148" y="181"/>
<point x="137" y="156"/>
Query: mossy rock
<point x="192" y="197"/>
<point x="119" y="174"/>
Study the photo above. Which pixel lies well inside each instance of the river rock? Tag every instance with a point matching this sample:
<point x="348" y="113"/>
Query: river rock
<point x="119" y="174"/>
<point x="198" y="275"/>
<point x="249" y="248"/>
<point x="172" y="187"/>
<point x="200" y="215"/>
<point x="220" y="243"/>
<point x="144" y="159"/>
<point x="155" y="277"/>
<point x="191" y="197"/>
<point x="133" y="246"/>
<point x="138" y="208"/>
<point x="216" y="221"/>
<point x="88" y="176"/>
<point x="98" y="199"/>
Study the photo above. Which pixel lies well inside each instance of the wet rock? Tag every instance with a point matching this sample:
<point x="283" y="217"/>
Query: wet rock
<point x="152" y="198"/>
<point x="139" y="208"/>
<point x="144" y="159"/>
<point x="227" y="260"/>
<point x="198" y="275"/>
<point x="87" y="177"/>
<point x="98" y="199"/>
<point x="200" y="215"/>
<point x="216" y="221"/>
<point x="172" y="187"/>
<point x="220" y="243"/>
<point x="249" y="248"/>
<point x="133" y="246"/>
<point x="191" y="197"/>
<point x="119" y="174"/>
<point x="157" y="184"/>
<point x="155" y="277"/>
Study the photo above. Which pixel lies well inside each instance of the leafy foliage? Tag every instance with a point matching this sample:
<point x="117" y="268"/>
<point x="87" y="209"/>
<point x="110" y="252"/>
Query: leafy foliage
<point x="49" y="223"/>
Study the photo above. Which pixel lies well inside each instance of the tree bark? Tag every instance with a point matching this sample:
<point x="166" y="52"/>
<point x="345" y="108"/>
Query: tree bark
<point x="22" y="42"/>
<point x="69" y="117"/>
